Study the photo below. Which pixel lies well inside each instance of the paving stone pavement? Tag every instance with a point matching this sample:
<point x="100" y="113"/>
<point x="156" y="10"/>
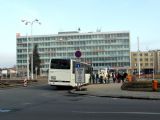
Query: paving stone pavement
<point x="114" y="90"/>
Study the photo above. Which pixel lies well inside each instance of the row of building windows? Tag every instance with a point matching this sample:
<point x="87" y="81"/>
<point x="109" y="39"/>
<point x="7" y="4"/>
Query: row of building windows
<point x="111" y="64"/>
<point x="73" y="37"/>
<point x="107" y="54"/>
<point x="96" y="46"/>
<point x="99" y="64"/>
<point x="145" y="54"/>
<point x="145" y="64"/>
<point x="94" y="64"/>
<point x="78" y="42"/>
<point x="145" y="59"/>
<point x="22" y="59"/>
<point x="85" y="48"/>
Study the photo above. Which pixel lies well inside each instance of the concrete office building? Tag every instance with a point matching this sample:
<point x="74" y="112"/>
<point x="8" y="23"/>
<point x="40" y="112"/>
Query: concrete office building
<point x="101" y="49"/>
<point x="148" y="60"/>
<point x="157" y="67"/>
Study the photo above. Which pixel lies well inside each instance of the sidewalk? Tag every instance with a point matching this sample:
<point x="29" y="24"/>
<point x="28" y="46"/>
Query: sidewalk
<point x="17" y="83"/>
<point x="114" y="90"/>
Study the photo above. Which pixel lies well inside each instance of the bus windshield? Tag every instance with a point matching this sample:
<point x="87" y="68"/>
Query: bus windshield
<point x="60" y="64"/>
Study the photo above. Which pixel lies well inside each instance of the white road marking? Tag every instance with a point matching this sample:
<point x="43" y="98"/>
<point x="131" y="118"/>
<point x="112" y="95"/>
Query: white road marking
<point x="140" y="113"/>
<point x="4" y="110"/>
<point x="27" y="103"/>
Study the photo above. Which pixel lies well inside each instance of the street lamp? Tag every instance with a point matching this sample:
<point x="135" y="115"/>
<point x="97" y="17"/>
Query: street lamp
<point x="153" y="65"/>
<point x="31" y="24"/>
<point x="27" y="59"/>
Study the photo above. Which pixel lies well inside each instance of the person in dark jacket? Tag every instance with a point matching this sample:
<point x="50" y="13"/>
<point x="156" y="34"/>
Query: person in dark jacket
<point x="97" y="77"/>
<point x="114" y="77"/>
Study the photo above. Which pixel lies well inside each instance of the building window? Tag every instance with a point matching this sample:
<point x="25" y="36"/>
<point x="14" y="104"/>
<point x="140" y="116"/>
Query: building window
<point x="146" y="59"/>
<point x="134" y="54"/>
<point x="146" y="54"/>
<point x="146" y="64"/>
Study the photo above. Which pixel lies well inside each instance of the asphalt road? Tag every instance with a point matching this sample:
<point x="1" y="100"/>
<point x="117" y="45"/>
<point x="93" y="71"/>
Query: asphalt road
<point x="45" y="103"/>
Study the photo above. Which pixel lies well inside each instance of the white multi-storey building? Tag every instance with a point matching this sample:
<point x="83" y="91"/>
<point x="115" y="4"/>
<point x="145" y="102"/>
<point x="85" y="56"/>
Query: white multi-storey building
<point x="101" y="49"/>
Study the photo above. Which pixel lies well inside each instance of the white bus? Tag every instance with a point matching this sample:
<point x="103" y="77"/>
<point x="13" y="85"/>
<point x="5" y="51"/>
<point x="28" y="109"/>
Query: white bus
<point x="62" y="72"/>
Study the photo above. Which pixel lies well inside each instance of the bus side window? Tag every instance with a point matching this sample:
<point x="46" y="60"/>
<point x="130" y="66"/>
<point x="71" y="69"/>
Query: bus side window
<point x="74" y="67"/>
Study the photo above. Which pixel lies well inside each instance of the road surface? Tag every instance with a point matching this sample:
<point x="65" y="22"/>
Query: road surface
<point x="45" y="103"/>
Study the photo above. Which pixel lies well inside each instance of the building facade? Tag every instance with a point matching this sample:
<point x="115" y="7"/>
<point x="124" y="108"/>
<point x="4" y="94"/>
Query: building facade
<point x="148" y="61"/>
<point x="101" y="49"/>
<point x="158" y="61"/>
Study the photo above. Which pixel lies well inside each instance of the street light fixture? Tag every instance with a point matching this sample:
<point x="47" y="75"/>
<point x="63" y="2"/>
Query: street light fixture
<point x="31" y="24"/>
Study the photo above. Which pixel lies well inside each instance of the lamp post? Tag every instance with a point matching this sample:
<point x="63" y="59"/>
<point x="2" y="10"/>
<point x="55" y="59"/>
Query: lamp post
<point x="27" y="60"/>
<point x="138" y="60"/>
<point x="153" y="65"/>
<point x="31" y="25"/>
<point x="36" y="72"/>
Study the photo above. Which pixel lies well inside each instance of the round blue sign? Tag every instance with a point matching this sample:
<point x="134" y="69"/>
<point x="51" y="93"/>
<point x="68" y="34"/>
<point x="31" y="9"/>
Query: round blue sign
<point x="78" y="54"/>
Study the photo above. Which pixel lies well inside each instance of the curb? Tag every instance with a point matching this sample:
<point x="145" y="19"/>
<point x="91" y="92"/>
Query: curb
<point x="114" y="96"/>
<point x="31" y="84"/>
<point x="72" y="92"/>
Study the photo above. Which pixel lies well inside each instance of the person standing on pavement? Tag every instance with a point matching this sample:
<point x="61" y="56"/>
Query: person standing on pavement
<point x="108" y="77"/>
<point x="105" y="78"/>
<point x="125" y="76"/>
<point x="114" y="77"/>
<point x="97" y="77"/>
<point x="93" y="78"/>
<point x="122" y="77"/>
<point x="119" y="77"/>
<point x="101" y="77"/>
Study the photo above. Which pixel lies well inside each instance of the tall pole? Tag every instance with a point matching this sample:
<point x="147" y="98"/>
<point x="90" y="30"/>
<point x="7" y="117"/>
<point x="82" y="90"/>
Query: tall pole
<point x="27" y="60"/>
<point x="36" y="72"/>
<point x="31" y="39"/>
<point x="153" y="65"/>
<point x="31" y="52"/>
<point x="138" y="59"/>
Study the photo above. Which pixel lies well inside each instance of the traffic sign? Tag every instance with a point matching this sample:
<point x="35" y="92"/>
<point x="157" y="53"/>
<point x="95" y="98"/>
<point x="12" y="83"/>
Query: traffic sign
<point x="78" y="53"/>
<point x="80" y="76"/>
<point x="78" y="65"/>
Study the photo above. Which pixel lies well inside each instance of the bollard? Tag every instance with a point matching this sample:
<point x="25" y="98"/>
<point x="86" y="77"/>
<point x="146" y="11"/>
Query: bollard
<point x="154" y="85"/>
<point x="129" y="78"/>
<point x="25" y="82"/>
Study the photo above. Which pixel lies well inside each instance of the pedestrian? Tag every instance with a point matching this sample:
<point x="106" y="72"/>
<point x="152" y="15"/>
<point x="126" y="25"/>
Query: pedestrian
<point x="119" y="77"/>
<point x="93" y="78"/>
<point x="105" y="78"/>
<point x="101" y="78"/>
<point x="108" y="77"/>
<point x="97" y="77"/>
<point x="114" y="77"/>
<point x="125" y="76"/>
<point x="122" y="78"/>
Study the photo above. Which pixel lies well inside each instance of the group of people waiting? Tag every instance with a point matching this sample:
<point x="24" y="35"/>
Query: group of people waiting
<point x="102" y="77"/>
